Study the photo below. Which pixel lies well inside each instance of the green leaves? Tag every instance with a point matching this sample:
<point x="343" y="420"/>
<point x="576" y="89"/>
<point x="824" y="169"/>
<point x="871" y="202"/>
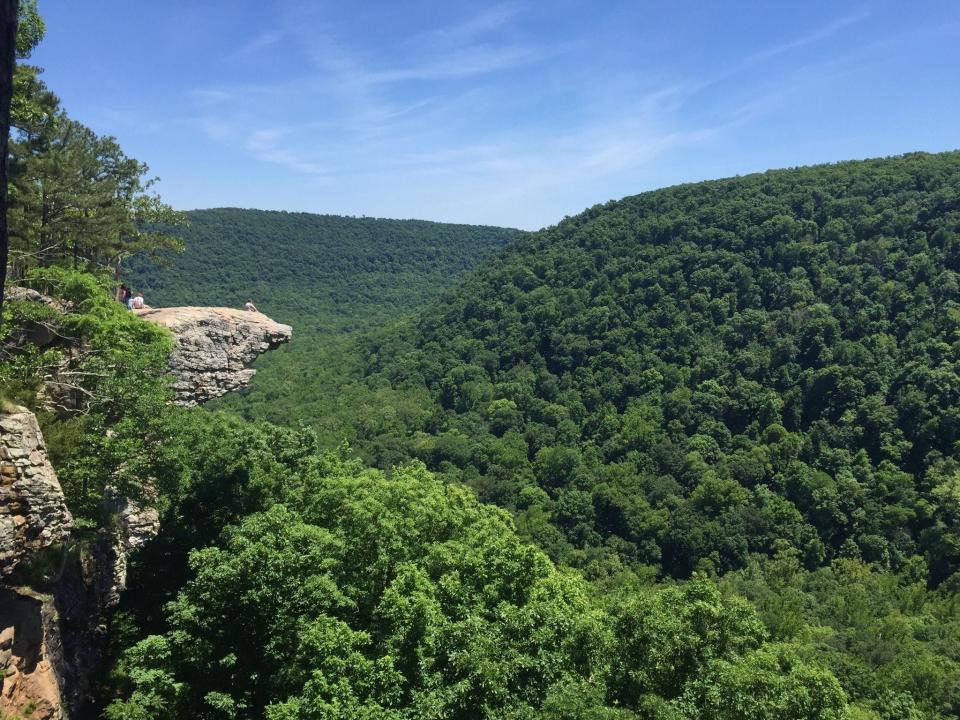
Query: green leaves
<point x="773" y="681"/>
<point x="403" y="597"/>
<point x="75" y="197"/>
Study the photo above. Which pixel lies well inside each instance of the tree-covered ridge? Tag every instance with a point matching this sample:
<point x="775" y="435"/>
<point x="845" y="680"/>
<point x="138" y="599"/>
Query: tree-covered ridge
<point x="292" y="582"/>
<point x="324" y="274"/>
<point x="288" y="581"/>
<point x="689" y="376"/>
<point x="316" y="587"/>
<point x="321" y="273"/>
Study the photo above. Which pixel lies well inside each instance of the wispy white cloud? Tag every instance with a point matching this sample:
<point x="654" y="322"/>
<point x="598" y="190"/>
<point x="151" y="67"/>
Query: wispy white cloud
<point x="486" y="21"/>
<point x="822" y="33"/>
<point x="258" y="43"/>
<point x="424" y="119"/>
<point x="210" y="96"/>
<point x="475" y="60"/>
<point x="819" y="34"/>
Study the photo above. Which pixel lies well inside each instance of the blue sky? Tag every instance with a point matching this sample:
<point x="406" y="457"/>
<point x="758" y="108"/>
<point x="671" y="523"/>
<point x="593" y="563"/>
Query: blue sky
<point x="508" y="113"/>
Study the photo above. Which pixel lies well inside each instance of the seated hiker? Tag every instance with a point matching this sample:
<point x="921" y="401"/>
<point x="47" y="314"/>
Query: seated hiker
<point x="137" y="302"/>
<point x="250" y="307"/>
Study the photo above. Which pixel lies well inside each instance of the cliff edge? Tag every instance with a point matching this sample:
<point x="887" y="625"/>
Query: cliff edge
<point x="33" y="514"/>
<point x="54" y="611"/>
<point x="214" y="348"/>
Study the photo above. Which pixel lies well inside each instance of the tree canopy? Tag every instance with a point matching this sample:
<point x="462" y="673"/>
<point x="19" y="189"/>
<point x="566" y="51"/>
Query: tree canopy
<point x="74" y="197"/>
<point x="690" y="454"/>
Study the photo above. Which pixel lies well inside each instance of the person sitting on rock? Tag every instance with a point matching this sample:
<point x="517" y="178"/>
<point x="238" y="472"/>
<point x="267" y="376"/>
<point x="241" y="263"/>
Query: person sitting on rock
<point x="250" y="307"/>
<point x="137" y="303"/>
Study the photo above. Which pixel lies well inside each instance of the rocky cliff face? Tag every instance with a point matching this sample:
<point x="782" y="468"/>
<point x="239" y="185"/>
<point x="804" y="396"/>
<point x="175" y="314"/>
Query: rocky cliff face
<point x="30" y="657"/>
<point x="33" y="514"/>
<point x="215" y="347"/>
<point x="52" y="634"/>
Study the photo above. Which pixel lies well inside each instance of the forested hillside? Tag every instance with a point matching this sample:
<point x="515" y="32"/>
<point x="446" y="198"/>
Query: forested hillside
<point x="754" y="378"/>
<point x="291" y="582"/>
<point x="689" y="376"/>
<point x="720" y="422"/>
<point x="324" y="274"/>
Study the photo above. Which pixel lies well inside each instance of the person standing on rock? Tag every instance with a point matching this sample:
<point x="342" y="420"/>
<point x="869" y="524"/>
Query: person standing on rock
<point x="124" y="295"/>
<point x="249" y="306"/>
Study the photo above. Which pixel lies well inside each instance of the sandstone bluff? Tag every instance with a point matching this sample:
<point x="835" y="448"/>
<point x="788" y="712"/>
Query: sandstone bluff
<point x="215" y="347"/>
<point x="52" y="635"/>
<point x="33" y="514"/>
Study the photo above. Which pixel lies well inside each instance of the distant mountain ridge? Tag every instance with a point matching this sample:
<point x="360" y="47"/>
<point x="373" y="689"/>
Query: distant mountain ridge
<point x="323" y="273"/>
<point x="693" y="376"/>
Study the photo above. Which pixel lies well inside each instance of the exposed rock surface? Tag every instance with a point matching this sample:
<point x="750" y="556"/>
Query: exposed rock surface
<point x="51" y="642"/>
<point x="136" y="525"/>
<point x="215" y="347"/>
<point x="33" y="514"/>
<point x="15" y="292"/>
<point x="33" y="330"/>
<point x="30" y="657"/>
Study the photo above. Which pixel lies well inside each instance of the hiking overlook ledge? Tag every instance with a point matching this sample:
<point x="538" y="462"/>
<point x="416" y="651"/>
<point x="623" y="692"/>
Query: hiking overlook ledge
<point x="214" y="347"/>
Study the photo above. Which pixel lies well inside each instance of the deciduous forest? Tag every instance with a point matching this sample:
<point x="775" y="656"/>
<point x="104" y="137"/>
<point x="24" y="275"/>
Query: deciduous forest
<point x="329" y="276"/>
<point x="692" y="454"/>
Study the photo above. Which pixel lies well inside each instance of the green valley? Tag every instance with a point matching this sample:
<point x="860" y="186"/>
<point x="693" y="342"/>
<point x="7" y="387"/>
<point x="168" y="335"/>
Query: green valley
<point x="693" y="454"/>
<point x="328" y="276"/>
<point x="751" y="379"/>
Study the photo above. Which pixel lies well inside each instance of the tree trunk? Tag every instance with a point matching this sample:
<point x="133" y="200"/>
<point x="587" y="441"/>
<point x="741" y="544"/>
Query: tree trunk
<point x="116" y="278"/>
<point x="8" y="49"/>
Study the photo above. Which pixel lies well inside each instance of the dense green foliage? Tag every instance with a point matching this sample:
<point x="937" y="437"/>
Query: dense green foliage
<point x="752" y="373"/>
<point x="104" y="371"/>
<point x="891" y="642"/>
<point x="359" y="594"/>
<point x="403" y="597"/>
<point x="322" y="273"/>
<point x="74" y="197"/>
<point x="690" y="376"/>
<point x="726" y="412"/>
<point x="325" y="275"/>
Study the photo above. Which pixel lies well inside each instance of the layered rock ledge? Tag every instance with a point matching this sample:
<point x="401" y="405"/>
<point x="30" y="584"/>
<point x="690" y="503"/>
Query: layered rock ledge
<point x="215" y="347"/>
<point x="33" y="514"/>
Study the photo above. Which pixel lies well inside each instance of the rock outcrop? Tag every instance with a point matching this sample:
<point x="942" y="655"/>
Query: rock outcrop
<point x="52" y="633"/>
<point x="136" y="524"/>
<point x="31" y="660"/>
<point x="33" y="516"/>
<point x="215" y="347"/>
<point x="33" y="330"/>
<point x="33" y="513"/>
<point x="55" y="609"/>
